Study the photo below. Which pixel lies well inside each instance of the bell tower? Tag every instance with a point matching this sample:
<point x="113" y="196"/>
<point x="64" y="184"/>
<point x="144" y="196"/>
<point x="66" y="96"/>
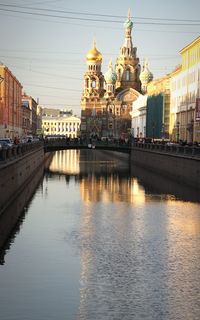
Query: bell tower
<point x="93" y="78"/>
<point x="93" y="92"/>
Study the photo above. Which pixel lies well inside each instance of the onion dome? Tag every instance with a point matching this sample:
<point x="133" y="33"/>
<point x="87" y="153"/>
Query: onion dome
<point x="146" y="76"/>
<point x="128" y="24"/>
<point x="94" y="55"/>
<point x="110" y="75"/>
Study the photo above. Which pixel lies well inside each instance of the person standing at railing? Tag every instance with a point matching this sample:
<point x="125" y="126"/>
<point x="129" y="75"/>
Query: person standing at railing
<point x="16" y="140"/>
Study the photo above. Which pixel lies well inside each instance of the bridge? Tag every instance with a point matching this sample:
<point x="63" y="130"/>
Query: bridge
<point x="63" y="144"/>
<point x="51" y="145"/>
<point x="20" y="150"/>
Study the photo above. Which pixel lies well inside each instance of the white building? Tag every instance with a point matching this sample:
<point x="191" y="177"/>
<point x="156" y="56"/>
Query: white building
<point x="61" y="126"/>
<point x="138" y="115"/>
<point x="139" y="106"/>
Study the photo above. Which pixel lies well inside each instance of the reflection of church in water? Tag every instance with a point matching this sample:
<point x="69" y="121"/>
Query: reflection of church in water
<point x="107" y="99"/>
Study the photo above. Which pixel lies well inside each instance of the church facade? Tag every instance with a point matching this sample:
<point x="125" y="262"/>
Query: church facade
<point x="107" y="100"/>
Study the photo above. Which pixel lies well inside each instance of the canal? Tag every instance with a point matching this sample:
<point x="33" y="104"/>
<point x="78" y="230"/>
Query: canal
<point x="102" y="241"/>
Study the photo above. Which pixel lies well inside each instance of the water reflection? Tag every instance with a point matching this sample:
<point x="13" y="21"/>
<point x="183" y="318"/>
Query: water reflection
<point x="157" y="184"/>
<point x="13" y="217"/>
<point x="136" y="244"/>
<point x="108" y="243"/>
<point x="103" y="175"/>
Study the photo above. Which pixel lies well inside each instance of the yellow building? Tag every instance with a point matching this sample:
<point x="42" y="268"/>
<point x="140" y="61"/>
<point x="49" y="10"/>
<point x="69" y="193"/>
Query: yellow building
<point x="61" y="126"/>
<point x="185" y="95"/>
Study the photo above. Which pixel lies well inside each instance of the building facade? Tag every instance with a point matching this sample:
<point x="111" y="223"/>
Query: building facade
<point x="158" y="108"/>
<point x="10" y="104"/>
<point x="61" y="126"/>
<point x="185" y="95"/>
<point x="106" y="100"/>
<point x="32" y="104"/>
<point x="26" y="119"/>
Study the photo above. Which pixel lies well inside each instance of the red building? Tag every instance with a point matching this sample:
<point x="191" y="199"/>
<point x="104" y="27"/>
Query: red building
<point x="10" y="104"/>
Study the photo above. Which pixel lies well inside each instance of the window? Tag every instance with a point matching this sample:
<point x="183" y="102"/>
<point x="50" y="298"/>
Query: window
<point x="93" y="83"/>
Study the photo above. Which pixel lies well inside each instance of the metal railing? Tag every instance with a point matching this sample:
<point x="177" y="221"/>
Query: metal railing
<point x="17" y="151"/>
<point x="176" y="149"/>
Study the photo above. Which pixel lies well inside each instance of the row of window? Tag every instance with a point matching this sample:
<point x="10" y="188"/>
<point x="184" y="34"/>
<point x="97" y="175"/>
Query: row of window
<point x="94" y="81"/>
<point x="61" y="124"/>
<point x="60" y="130"/>
<point x="94" y="67"/>
<point x="192" y="77"/>
<point x="186" y="98"/>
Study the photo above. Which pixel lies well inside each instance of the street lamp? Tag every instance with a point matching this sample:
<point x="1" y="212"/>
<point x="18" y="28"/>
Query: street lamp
<point x="153" y="130"/>
<point x="192" y="127"/>
<point x="178" y="131"/>
<point x="163" y="131"/>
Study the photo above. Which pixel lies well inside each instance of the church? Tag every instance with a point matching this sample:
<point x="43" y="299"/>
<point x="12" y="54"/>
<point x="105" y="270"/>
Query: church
<point x="107" y="100"/>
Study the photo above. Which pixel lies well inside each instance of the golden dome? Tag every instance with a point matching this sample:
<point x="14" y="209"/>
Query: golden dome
<point x="94" y="54"/>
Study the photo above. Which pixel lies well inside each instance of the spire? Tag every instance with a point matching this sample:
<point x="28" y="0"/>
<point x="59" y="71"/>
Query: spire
<point x="110" y="64"/>
<point x="146" y="63"/>
<point x="128" y="24"/>
<point x="129" y="14"/>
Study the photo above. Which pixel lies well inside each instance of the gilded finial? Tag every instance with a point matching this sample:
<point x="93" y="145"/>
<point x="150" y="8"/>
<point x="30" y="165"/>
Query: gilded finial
<point x="94" y="42"/>
<point x="110" y="64"/>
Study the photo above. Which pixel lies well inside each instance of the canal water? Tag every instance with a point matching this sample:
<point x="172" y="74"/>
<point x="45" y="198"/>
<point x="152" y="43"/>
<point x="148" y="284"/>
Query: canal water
<point x="102" y="241"/>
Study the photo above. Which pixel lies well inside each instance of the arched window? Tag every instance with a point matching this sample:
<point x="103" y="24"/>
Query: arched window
<point x="93" y="83"/>
<point x="128" y="75"/>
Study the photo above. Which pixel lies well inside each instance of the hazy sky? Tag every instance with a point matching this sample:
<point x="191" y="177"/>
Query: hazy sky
<point x="46" y="49"/>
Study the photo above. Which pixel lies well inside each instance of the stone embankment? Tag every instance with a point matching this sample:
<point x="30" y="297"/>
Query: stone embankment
<point x="179" y="163"/>
<point x="21" y="169"/>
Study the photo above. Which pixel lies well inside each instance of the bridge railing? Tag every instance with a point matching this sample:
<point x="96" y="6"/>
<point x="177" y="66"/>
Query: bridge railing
<point x="78" y="143"/>
<point x="192" y="151"/>
<point x="17" y="151"/>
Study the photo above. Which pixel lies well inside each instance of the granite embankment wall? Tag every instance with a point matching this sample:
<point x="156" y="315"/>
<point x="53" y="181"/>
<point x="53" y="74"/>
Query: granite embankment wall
<point x="18" y="180"/>
<point x="178" y="167"/>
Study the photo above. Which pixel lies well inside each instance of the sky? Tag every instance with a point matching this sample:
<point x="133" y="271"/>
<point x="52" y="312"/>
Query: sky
<point x="44" y="42"/>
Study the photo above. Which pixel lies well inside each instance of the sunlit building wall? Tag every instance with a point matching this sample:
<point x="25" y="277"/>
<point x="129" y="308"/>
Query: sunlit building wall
<point x="10" y="104"/>
<point x="185" y="95"/>
<point x="138" y="114"/>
